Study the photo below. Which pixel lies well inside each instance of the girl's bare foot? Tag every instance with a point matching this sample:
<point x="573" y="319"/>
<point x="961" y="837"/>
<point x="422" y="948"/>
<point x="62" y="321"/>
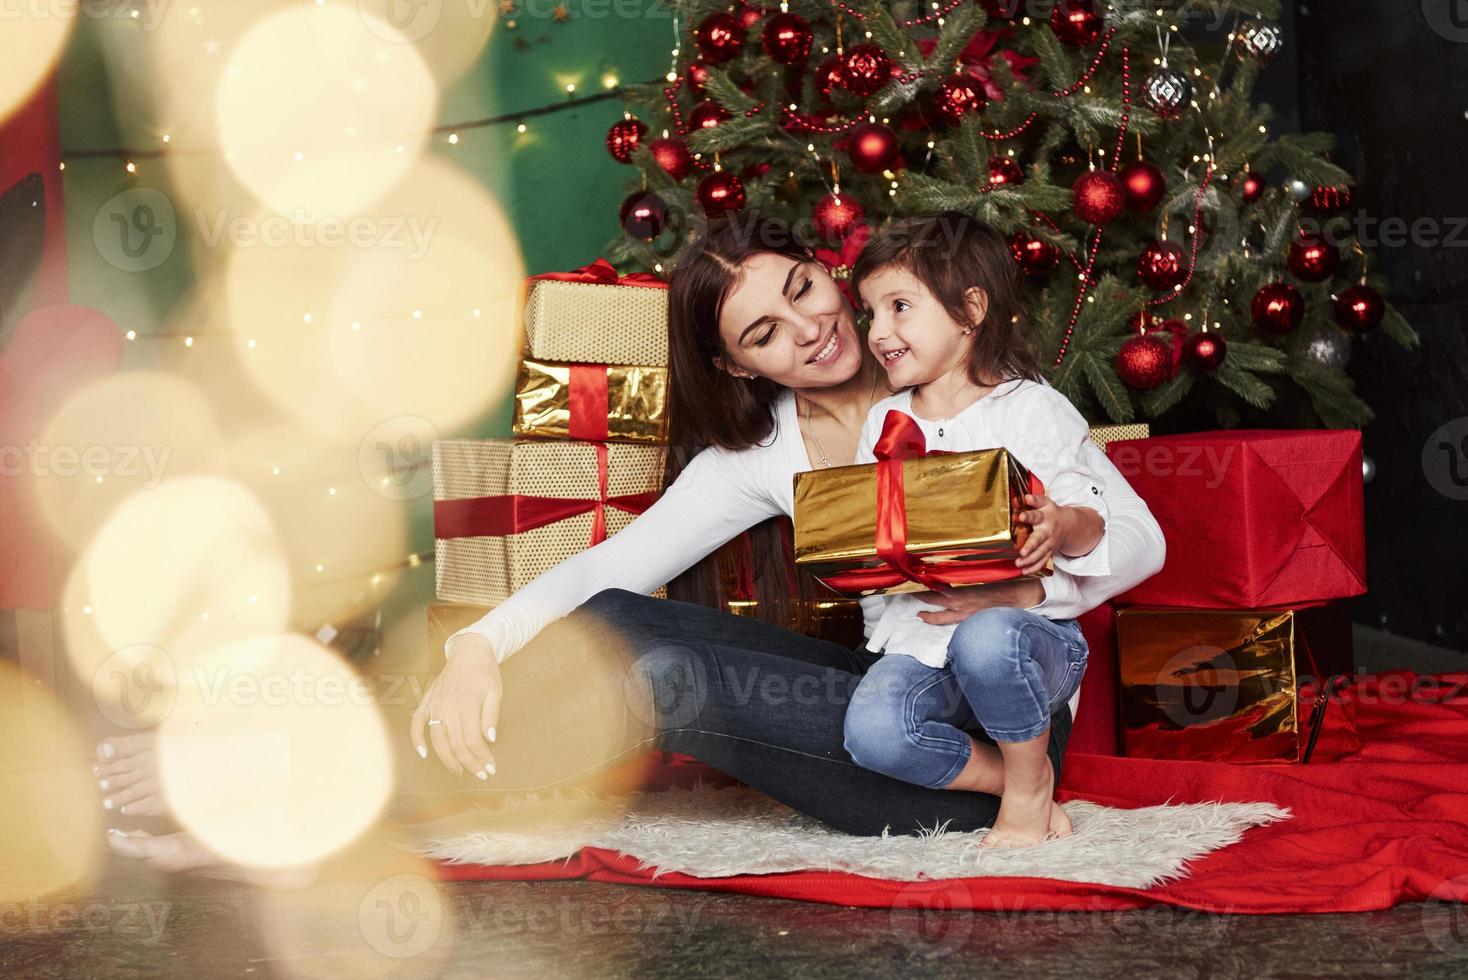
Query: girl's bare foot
<point x="1027" y="814"/>
<point x="127" y="775"/>
<point x="182" y="852"/>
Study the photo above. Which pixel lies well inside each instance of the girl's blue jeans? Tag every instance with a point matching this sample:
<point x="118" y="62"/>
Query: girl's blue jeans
<point x="1008" y="671"/>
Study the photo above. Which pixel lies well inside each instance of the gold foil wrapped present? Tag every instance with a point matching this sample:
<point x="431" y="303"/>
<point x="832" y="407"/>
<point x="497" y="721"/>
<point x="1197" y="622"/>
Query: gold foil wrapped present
<point x="505" y="511"/>
<point x="1226" y="685"/>
<point x="600" y="403"/>
<point x="961" y="523"/>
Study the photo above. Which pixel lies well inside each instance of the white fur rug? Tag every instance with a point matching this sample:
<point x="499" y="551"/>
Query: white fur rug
<point x="719" y="832"/>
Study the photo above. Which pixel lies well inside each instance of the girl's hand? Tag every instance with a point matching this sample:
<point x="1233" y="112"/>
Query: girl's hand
<point x="960" y="604"/>
<point x="465" y="698"/>
<point x="1047" y="521"/>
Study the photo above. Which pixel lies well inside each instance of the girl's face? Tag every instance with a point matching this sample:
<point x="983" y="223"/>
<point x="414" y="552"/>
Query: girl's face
<point x="786" y="320"/>
<point x="911" y="333"/>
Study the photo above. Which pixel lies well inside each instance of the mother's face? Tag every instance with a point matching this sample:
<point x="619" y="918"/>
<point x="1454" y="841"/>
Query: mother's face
<point x="787" y="321"/>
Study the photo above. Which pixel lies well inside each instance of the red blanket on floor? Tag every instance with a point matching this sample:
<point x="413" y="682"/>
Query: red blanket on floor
<point x="1385" y="824"/>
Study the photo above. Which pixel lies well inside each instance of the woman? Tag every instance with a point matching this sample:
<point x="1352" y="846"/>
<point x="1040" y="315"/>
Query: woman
<point x="770" y="378"/>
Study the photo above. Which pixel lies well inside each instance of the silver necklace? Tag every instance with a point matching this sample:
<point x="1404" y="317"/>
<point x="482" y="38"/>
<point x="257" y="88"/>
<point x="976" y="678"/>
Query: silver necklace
<point x="811" y="429"/>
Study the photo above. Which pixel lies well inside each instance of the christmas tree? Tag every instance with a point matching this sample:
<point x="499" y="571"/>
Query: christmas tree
<point x="1178" y="249"/>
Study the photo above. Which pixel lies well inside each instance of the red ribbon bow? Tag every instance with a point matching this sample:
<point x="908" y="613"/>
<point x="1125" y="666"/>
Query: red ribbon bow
<point x="499" y="516"/>
<point x="602" y="272"/>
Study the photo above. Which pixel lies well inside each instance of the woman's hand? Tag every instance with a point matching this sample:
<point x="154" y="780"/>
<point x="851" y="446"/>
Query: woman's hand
<point x="466" y="699"/>
<point x="960" y="604"/>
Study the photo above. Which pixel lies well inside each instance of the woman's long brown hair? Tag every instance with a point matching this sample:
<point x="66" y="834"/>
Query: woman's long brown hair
<point x="707" y="406"/>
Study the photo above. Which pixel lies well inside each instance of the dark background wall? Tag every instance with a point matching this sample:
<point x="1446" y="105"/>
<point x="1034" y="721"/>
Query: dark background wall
<point x="1390" y="80"/>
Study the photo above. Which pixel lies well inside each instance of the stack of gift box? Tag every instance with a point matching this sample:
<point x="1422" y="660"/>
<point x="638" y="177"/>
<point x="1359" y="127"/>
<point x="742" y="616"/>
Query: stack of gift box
<point x="590" y="429"/>
<point x="1231" y="651"/>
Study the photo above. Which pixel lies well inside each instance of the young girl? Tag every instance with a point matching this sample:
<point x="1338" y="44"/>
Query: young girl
<point x="943" y="297"/>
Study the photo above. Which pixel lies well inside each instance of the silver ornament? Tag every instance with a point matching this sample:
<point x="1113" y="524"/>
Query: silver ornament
<point x="1167" y="92"/>
<point x="1260" y="41"/>
<point x="1299" y="190"/>
<point x="1330" y="348"/>
<point x="1368" y="469"/>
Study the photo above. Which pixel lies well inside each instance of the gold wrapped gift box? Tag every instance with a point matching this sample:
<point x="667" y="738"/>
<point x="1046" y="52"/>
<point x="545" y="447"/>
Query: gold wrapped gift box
<point x="492" y="500"/>
<point x="1102" y="434"/>
<point x="609" y="403"/>
<point x="596" y="323"/>
<point x="962" y="519"/>
<point x="1224" y="685"/>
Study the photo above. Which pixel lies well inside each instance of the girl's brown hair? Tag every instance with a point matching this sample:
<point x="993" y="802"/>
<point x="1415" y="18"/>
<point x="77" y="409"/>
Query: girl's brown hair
<point x="707" y="406"/>
<point x="950" y="252"/>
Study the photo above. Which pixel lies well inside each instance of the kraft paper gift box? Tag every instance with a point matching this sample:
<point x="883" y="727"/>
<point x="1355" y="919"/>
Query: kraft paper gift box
<point x="1228" y="685"/>
<point x="505" y="511"/>
<point x="595" y="357"/>
<point x="1252" y="518"/>
<point x="912" y="522"/>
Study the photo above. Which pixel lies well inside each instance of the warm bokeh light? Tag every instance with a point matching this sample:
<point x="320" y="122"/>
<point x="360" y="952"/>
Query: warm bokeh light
<point x="450" y="36"/>
<point x="188" y="566"/>
<point x="416" y="317"/>
<point x="342" y="537"/>
<point x="50" y="823"/>
<point x="321" y="109"/>
<point x="274" y="755"/>
<point x="129" y="432"/>
<point x="31" y="42"/>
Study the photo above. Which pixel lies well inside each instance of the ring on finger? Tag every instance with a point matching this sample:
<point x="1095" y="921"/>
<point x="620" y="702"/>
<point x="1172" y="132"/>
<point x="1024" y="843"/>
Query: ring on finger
<point x="435" y="721"/>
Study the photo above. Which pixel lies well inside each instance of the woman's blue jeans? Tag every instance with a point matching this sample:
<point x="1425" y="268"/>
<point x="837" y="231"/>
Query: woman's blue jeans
<point x="1009" y="670"/>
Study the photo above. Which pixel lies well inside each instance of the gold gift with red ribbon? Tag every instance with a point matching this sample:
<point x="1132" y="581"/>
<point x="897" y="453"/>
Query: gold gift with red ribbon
<point x="591" y="315"/>
<point x="594" y="402"/>
<point x="913" y="521"/>
<point x="506" y="511"/>
<point x="1229" y="685"/>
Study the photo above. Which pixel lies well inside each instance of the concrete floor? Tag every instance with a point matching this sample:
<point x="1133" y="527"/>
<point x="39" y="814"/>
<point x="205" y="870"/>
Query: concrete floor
<point x="140" y="923"/>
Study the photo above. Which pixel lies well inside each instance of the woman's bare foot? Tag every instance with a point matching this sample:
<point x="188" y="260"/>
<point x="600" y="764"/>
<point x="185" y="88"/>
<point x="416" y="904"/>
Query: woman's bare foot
<point x="182" y="852"/>
<point x="127" y="775"/>
<point x="1028" y="814"/>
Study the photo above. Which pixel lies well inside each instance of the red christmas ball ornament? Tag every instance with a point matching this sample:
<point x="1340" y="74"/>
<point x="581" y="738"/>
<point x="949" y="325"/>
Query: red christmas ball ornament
<point x="1144" y="362"/>
<point x="1359" y="309"/>
<point x="865" y="68"/>
<point x="1076" y="22"/>
<point x="749" y="16"/>
<point x="957" y="97"/>
<point x="673" y="156"/>
<point x="719" y="192"/>
<point x="1278" y="308"/>
<point x="707" y="114"/>
<point x="1034" y="256"/>
<point x="836" y="215"/>
<point x="1163" y="265"/>
<point x="1253" y="187"/>
<point x="1312" y="258"/>
<point x="623" y="138"/>
<point x="1144" y="185"/>
<point x="872" y="148"/>
<point x="1326" y="201"/>
<point x="1005" y="172"/>
<point x="697" y="75"/>
<point x="1205" y="351"/>
<point x="643" y="215"/>
<point x="830" y="75"/>
<point x="787" y="38"/>
<point x="1099" y="197"/>
<point x="720" y="37"/>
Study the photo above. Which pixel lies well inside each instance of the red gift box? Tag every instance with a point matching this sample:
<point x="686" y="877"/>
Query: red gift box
<point x="1252" y="518"/>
